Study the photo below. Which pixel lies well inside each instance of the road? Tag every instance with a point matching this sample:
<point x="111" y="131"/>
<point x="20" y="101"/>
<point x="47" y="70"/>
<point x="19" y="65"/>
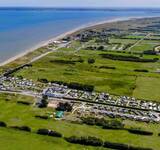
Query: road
<point x="45" y="54"/>
<point x="139" y="41"/>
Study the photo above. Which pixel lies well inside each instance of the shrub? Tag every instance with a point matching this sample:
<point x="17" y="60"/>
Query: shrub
<point x="23" y="102"/>
<point x="93" y="141"/>
<point x="106" y="124"/>
<point x="77" y="86"/>
<point x="141" y="70"/>
<point x="113" y="124"/>
<point x="107" y="67"/>
<point x="55" y="134"/>
<point x="64" y="107"/>
<point x="49" y="133"/>
<point x="150" y="52"/>
<point x="43" y="131"/>
<point x="23" y="128"/>
<point x="91" y="61"/>
<point x="140" y="132"/>
<point x="41" y="117"/>
<point x="100" y="48"/>
<point x="44" y="102"/>
<point x="120" y="146"/>
<point x="3" y="124"/>
<point x="43" y="80"/>
<point x="127" y="58"/>
<point x="63" y="62"/>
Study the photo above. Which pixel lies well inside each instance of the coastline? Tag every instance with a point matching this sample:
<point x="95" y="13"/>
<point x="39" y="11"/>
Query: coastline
<point x="78" y="29"/>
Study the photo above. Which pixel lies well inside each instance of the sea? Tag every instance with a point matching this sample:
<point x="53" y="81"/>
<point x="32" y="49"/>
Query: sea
<point x="24" y="28"/>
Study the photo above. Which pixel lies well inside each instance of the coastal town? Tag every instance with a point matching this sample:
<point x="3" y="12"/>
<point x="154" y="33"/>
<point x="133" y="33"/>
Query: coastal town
<point x="98" y="74"/>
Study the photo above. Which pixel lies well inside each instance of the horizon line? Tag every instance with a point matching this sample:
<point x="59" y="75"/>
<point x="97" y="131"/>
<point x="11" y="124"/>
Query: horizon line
<point x="76" y="8"/>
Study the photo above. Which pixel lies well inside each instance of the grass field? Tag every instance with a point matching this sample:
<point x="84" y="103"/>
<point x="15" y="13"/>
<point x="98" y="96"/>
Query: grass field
<point x="147" y="87"/>
<point x="122" y="80"/>
<point x="15" y="114"/>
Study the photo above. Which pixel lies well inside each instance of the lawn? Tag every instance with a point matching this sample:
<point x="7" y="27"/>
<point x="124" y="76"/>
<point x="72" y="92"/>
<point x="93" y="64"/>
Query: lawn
<point x="144" y="46"/>
<point x="147" y="87"/>
<point x="17" y="140"/>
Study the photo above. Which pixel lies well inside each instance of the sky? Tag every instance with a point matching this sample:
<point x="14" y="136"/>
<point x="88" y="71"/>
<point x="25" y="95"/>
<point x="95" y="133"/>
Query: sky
<point x="82" y="3"/>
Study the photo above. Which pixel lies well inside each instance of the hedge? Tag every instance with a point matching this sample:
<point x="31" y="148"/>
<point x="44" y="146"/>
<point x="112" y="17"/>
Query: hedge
<point x="49" y="133"/>
<point x="92" y="141"/>
<point x="23" y="102"/>
<point x="42" y="117"/>
<point x="127" y="58"/>
<point x="23" y="128"/>
<point x="106" y="67"/>
<point x="77" y="86"/>
<point x="141" y="70"/>
<point x="11" y="71"/>
<point x="140" y="132"/>
<point x="120" y="146"/>
<point x="106" y="124"/>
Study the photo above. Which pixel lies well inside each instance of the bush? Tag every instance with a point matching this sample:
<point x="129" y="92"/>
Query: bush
<point x="94" y="121"/>
<point x="106" y="124"/>
<point x="3" y="124"/>
<point x="23" y="128"/>
<point x="120" y="146"/>
<point x="150" y="52"/>
<point x="91" y="61"/>
<point x="113" y="124"/>
<point x="44" y="102"/>
<point x="55" y="134"/>
<point x="92" y="141"/>
<point x="77" y="86"/>
<point x="100" y="48"/>
<point x="141" y="70"/>
<point x="140" y="132"/>
<point x="43" y="80"/>
<point x="127" y="58"/>
<point x="63" y="62"/>
<point x="42" y="117"/>
<point x="49" y="133"/>
<point x="24" y="103"/>
<point x="64" y="107"/>
<point x="107" y="67"/>
<point x="43" y="131"/>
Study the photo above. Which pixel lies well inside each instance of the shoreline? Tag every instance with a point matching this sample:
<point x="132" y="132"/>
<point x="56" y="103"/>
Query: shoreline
<point x="78" y="29"/>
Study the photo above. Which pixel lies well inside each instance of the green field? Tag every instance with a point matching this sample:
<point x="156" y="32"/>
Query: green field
<point x="147" y="87"/>
<point x="122" y="80"/>
<point x="15" y="114"/>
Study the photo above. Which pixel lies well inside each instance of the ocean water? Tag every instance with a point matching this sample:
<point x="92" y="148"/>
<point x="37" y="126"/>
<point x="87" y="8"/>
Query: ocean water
<point x="25" y="28"/>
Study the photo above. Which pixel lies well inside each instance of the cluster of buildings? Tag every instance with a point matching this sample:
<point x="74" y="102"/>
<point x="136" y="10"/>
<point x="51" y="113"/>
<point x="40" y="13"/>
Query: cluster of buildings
<point x="119" y="112"/>
<point x="15" y="83"/>
<point x="60" y="91"/>
<point x="106" y="104"/>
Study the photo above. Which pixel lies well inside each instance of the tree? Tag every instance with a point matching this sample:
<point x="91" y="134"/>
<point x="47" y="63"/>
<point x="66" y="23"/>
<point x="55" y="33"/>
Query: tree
<point x="100" y="48"/>
<point x="44" y="101"/>
<point x="91" y="61"/>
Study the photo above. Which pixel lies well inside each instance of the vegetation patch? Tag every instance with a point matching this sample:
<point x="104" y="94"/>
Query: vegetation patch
<point x="128" y="58"/>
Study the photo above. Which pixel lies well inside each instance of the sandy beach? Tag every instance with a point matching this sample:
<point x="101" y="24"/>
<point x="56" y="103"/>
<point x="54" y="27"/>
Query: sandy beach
<point x="83" y="27"/>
